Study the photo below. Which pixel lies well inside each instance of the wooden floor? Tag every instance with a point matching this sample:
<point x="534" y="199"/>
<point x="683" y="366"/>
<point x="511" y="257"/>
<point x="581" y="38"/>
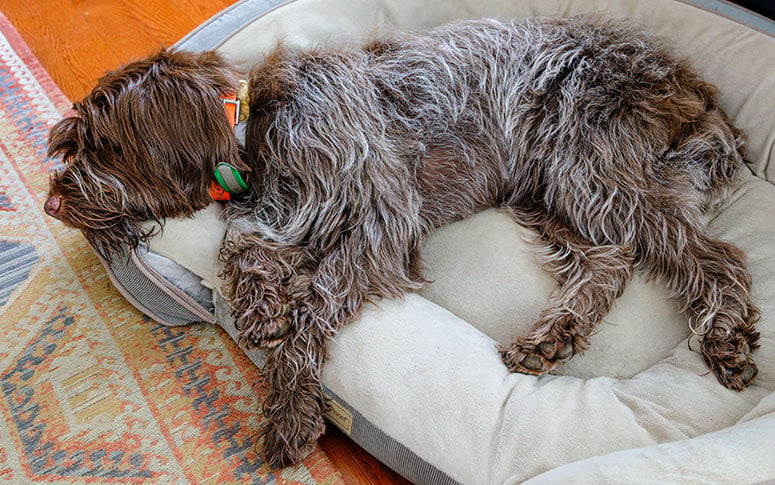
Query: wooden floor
<point x="78" y="40"/>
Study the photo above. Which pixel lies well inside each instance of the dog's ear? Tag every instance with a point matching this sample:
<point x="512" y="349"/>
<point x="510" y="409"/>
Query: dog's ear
<point x="164" y="117"/>
<point x="225" y="77"/>
<point x="62" y="138"/>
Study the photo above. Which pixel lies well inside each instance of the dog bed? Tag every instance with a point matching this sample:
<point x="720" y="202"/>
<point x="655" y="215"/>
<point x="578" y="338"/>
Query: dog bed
<point x="418" y="382"/>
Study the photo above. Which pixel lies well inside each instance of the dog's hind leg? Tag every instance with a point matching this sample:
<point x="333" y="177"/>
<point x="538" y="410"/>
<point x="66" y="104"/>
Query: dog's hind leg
<point x="710" y="279"/>
<point x="589" y="279"/>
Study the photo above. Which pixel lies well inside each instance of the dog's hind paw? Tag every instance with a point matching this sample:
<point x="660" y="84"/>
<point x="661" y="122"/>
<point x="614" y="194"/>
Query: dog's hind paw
<point x="729" y="357"/>
<point x="536" y="359"/>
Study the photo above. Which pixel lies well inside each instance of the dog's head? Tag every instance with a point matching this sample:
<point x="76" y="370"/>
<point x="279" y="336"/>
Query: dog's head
<point x="142" y="146"/>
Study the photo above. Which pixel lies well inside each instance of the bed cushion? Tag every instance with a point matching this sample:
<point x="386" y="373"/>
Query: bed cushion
<point x="418" y="381"/>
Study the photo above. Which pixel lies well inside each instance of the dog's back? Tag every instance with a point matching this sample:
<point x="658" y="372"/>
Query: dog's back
<point x="467" y="109"/>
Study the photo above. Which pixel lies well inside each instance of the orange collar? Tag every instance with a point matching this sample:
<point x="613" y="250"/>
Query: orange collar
<point x="237" y="105"/>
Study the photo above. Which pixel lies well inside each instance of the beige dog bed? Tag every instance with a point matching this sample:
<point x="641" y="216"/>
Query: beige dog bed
<point x="419" y="383"/>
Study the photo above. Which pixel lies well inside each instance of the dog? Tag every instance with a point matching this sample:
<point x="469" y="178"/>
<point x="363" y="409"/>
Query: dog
<point x="593" y="134"/>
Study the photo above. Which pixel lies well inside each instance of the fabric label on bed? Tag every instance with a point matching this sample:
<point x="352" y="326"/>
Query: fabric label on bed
<point x="339" y="415"/>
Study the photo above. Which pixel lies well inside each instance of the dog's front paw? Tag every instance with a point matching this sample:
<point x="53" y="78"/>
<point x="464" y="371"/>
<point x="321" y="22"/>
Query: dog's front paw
<point x="266" y="330"/>
<point x="729" y="356"/>
<point x="536" y="358"/>
<point x="265" y="285"/>
<point x="288" y="445"/>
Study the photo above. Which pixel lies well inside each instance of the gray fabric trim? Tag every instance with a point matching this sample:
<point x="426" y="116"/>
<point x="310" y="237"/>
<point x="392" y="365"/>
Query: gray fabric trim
<point x="736" y="13"/>
<point x="384" y="448"/>
<point x="222" y="25"/>
<point x="153" y="294"/>
<point x="219" y="28"/>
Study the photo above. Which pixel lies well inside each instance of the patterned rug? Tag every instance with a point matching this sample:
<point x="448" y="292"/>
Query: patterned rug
<point x="90" y="389"/>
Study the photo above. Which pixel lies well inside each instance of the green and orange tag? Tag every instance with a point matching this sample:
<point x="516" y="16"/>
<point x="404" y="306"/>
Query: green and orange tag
<point x="227" y="181"/>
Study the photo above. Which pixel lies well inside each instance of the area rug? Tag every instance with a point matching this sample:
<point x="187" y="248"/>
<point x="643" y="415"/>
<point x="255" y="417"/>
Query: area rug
<point x="90" y="389"/>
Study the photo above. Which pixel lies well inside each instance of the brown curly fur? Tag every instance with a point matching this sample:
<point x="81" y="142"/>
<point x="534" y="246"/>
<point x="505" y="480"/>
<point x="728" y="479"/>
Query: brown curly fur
<point x="594" y="135"/>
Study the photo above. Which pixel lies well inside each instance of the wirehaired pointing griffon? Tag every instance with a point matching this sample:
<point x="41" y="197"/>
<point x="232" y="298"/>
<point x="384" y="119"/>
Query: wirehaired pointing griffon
<point x="592" y="134"/>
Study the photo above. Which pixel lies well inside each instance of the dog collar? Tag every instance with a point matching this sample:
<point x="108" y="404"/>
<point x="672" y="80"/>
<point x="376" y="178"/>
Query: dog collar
<point x="237" y="105"/>
<point x="227" y="181"/>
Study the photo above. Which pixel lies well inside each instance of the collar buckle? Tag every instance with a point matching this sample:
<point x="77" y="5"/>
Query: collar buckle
<point x="232" y="106"/>
<point x="237" y="105"/>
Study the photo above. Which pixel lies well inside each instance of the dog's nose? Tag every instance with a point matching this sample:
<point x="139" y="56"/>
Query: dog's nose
<point x="52" y="206"/>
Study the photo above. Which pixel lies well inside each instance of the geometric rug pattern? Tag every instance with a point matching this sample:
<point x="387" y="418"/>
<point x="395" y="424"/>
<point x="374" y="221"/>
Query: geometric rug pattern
<point x="92" y="391"/>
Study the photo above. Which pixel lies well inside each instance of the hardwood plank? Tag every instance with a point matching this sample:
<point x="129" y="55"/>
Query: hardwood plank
<point x="162" y="19"/>
<point x="65" y="44"/>
<point x="360" y="466"/>
<point x="117" y="25"/>
<point x="200" y="10"/>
